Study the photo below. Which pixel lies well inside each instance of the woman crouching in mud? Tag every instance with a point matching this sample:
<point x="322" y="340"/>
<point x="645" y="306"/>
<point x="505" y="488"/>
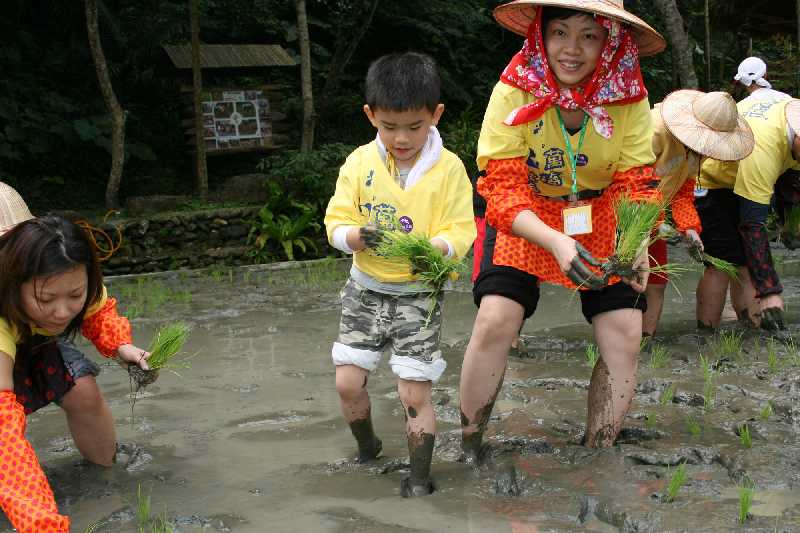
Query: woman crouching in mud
<point x="51" y="286"/>
<point x="567" y="132"/>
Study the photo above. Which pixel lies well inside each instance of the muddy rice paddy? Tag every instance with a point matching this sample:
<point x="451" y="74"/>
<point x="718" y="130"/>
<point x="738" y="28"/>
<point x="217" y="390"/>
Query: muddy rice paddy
<point x="250" y="438"/>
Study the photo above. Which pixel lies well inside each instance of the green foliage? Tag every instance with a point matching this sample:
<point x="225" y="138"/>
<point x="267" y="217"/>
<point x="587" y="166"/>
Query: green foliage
<point x="460" y="135"/>
<point x="693" y="426"/>
<point x="766" y="411"/>
<point x="592" y="355"/>
<point x="746" y="491"/>
<point x="310" y="177"/>
<point x="659" y="356"/>
<point x="667" y="395"/>
<point x="284" y="223"/>
<point x="745" y="437"/>
<point x="676" y="481"/>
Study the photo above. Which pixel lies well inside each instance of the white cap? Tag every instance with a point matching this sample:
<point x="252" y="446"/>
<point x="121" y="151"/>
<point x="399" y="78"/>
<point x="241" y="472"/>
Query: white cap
<point x="752" y="69"/>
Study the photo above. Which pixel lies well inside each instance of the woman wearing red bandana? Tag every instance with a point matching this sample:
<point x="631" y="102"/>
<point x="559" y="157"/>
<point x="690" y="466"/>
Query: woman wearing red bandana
<point x="567" y="132"/>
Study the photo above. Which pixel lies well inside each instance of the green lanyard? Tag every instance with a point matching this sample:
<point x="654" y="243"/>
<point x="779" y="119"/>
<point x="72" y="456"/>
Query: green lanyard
<point x="573" y="156"/>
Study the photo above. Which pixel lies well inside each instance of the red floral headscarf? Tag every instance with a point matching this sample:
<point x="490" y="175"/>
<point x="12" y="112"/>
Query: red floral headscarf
<point x="617" y="78"/>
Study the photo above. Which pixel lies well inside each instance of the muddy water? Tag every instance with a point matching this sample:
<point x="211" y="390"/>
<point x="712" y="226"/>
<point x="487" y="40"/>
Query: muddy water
<point x="250" y="439"/>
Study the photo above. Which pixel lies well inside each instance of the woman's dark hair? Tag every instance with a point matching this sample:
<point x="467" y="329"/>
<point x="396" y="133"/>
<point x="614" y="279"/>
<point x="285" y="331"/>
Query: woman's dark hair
<point x="559" y="13"/>
<point x="40" y="248"/>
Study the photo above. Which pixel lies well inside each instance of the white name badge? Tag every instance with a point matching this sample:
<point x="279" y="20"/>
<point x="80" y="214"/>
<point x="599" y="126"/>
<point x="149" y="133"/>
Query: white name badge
<point x="700" y="192"/>
<point x="577" y="220"/>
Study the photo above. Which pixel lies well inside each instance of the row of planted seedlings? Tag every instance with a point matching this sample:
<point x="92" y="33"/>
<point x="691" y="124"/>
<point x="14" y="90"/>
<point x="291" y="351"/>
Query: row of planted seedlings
<point x="725" y="353"/>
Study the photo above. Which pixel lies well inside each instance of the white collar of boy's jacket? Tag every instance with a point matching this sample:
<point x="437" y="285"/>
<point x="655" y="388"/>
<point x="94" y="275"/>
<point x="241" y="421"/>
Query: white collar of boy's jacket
<point x="428" y="156"/>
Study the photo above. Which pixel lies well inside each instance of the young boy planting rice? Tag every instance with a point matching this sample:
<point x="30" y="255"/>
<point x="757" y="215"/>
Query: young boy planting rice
<point x="566" y="134"/>
<point x="734" y="210"/>
<point x="688" y="126"/>
<point x="403" y="181"/>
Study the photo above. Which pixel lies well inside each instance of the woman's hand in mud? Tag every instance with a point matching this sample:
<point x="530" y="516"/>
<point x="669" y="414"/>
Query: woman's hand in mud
<point x="772" y="312"/>
<point x="695" y="245"/>
<point x="131" y="355"/>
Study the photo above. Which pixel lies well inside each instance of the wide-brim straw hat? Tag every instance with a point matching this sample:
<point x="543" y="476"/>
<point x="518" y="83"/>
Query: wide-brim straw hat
<point x="518" y="15"/>
<point x="793" y="115"/>
<point x="13" y="208"/>
<point x="708" y="123"/>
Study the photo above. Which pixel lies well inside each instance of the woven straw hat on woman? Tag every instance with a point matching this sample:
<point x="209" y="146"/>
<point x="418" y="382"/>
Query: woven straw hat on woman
<point x="518" y="15"/>
<point x="793" y="115"/>
<point x="13" y="209"/>
<point x="708" y="123"/>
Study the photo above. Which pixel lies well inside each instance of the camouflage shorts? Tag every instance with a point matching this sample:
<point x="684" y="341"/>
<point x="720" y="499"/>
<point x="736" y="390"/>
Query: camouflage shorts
<point x="371" y="321"/>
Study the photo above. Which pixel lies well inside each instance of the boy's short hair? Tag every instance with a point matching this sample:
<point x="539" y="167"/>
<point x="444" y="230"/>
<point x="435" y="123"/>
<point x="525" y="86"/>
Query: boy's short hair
<point x="403" y="82"/>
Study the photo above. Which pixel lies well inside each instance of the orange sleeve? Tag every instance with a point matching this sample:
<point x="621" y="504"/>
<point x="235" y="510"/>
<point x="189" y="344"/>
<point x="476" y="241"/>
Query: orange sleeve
<point x="106" y="329"/>
<point x="638" y="183"/>
<point x="25" y="494"/>
<point x="683" y="211"/>
<point x="506" y="191"/>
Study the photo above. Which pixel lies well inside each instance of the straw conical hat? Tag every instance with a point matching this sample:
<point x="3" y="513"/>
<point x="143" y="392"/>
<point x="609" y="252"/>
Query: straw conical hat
<point x="708" y="123"/>
<point x="518" y="15"/>
<point x="793" y="115"/>
<point x="13" y="209"/>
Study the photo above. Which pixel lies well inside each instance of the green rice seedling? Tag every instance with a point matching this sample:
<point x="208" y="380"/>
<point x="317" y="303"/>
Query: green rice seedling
<point x="592" y="354"/>
<point x="676" y="481"/>
<point x="650" y="420"/>
<point x="726" y="267"/>
<point x="667" y="395"/>
<point x="425" y="260"/>
<point x="167" y="343"/>
<point x="694" y="427"/>
<point x="745" y="437"/>
<point x="709" y="394"/>
<point x="772" y="356"/>
<point x="746" y="491"/>
<point x="146" y="523"/>
<point x="659" y="356"/>
<point x="766" y="411"/>
<point x="635" y="222"/>
<point x="705" y="365"/>
<point x="728" y="343"/>
<point x="793" y="352"/>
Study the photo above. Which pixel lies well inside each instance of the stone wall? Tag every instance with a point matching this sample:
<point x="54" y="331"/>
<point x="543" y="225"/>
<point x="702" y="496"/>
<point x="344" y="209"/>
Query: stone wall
<point x="170" y="241"/>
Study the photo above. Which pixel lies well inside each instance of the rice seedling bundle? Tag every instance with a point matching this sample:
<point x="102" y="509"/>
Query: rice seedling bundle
<point x="635" y="223"/>
<point x="426" y="261"/>
<point x="726" y="267"/>
<point x="167" y="343"/>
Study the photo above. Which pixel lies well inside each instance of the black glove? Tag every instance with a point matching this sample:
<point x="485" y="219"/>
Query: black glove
<point x="580" y="274"/>
<point x="371" y="235"/>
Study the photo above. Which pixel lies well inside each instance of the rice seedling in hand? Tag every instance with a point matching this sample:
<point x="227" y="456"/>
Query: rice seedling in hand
<point x="667" y="395"/>
<point x="745" y="437"/>
<point x="694" y="427"/>
<point x="659" y="356"/>
<point x="726" y="267"/>
<point x="635" y="223"/>
<point x="167" y="343"/>
<point x="424" y="259"/>
<point x="746" y="491"/>
<point x="592" y="354"/>
<point x="766" y="412"/>
<point x="676" y="481"/>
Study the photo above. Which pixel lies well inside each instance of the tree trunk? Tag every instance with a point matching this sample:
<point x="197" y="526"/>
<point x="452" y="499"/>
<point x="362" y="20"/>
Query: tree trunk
<point x="708" y="46"/>
<point x="201" y="170"/>
<point x="307" y="143"/>
<point x="112" y="104"/>
<point x="679" y="39"/>
<point x="347" y="41"/>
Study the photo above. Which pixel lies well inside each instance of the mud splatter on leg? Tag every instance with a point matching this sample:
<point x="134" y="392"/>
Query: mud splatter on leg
<point x="600" y="431"/>
<point x="369" y="445"/>
<point x="472" y="442"/>
<point x="420" y="452"/>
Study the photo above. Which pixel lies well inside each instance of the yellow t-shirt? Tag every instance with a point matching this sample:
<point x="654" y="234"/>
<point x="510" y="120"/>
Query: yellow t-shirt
<point x="674" y="164"/>
<point x="772" y="155"/>
<point x="754" y="177"/>
<point x="438" y="205"/>
<point x="10" y="337"/>
<point x="542" y="143"/>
